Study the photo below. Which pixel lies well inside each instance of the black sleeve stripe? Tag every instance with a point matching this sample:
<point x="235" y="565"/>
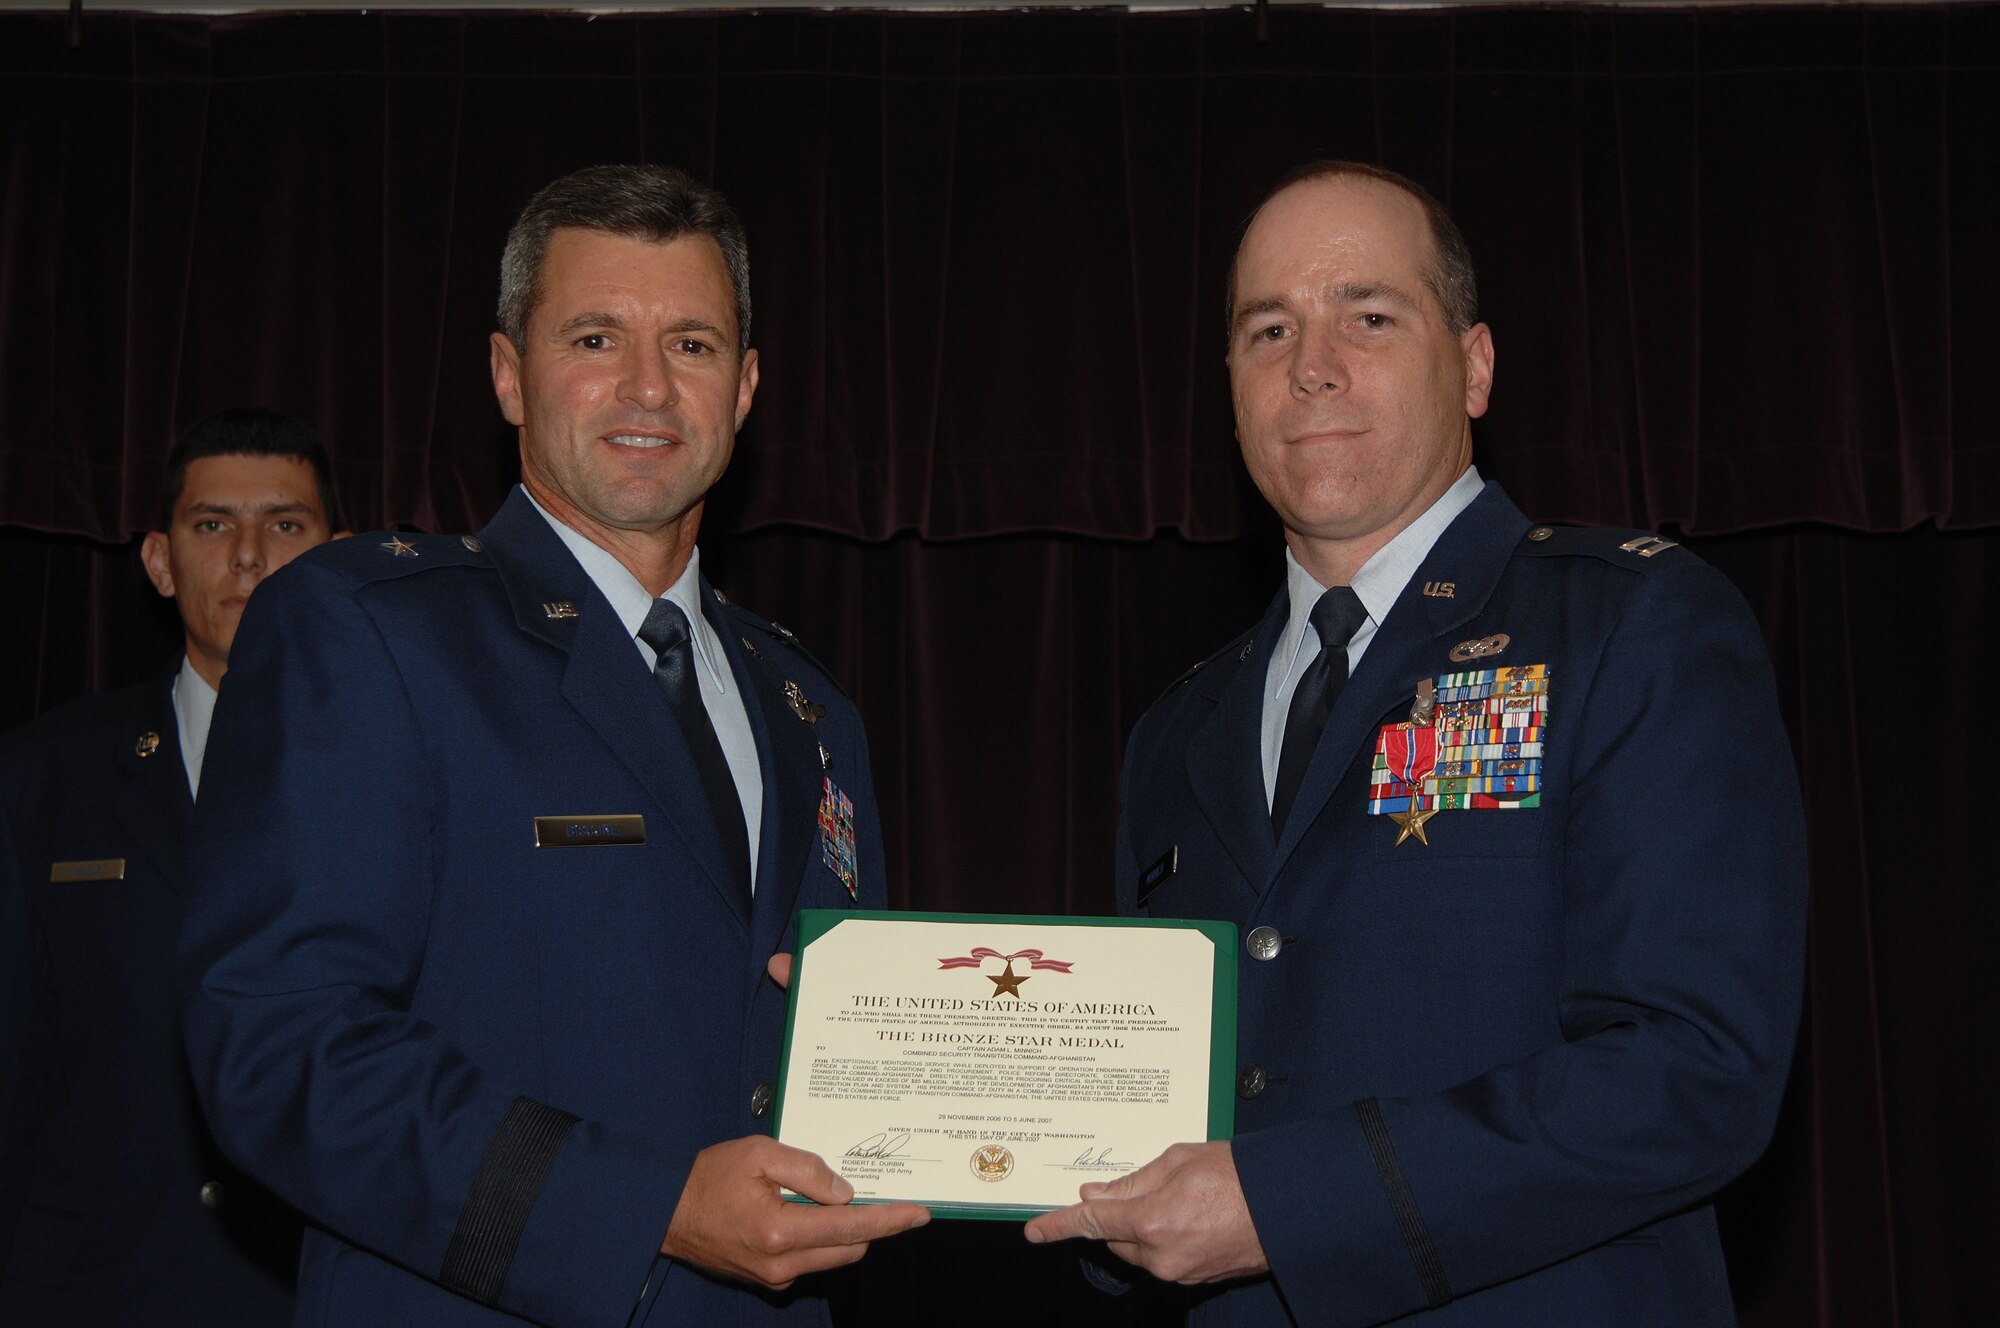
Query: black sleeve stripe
<point x="1430" y="1269"/>
<point x="503" y="1193"/>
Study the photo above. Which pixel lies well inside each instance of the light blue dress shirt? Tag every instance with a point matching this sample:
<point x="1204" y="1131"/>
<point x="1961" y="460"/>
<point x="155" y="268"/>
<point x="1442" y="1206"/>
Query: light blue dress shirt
<point x="1379" y="583"/>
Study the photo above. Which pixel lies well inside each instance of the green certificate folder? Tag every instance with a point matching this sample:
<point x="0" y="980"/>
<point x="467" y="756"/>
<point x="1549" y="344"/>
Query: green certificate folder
<point x="987" y="1064"/>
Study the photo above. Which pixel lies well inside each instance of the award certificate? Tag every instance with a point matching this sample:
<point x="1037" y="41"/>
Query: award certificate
<point x="987" y="1065"/>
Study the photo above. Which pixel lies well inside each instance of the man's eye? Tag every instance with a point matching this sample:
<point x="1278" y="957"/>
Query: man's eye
<point x="1375" y="322"/>
<point x="1275" y="332"/>
<point x="593" y="341"/>
<point x="209" y="526"/>
<point x="690" y="346"/>
<point x="288" y="527"/>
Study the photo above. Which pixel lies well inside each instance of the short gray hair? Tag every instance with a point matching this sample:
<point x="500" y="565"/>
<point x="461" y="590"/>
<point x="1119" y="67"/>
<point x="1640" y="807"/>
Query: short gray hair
<point x="651" y="203"/>
<point x="1449" y="274"/>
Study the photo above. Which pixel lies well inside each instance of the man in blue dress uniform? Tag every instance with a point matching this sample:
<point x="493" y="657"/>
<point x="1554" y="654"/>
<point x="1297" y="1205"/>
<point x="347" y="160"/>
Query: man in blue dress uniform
<point x="1510" y="827"/>
<point x="476" y="960"/>
<point x="120" y="1208"/>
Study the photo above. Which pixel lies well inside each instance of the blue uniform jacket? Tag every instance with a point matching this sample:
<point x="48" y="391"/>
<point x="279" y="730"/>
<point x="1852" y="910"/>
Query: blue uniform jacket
<point x="122" y="1211"/>
<point x="1497" y="1077"/>
<point x="485" y="1066"/>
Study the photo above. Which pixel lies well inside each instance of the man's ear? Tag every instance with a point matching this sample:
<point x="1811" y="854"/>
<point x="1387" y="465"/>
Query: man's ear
<point x="153" y="552"/>
<point x="505" y="361"/>
<point x="1477" y="346"/>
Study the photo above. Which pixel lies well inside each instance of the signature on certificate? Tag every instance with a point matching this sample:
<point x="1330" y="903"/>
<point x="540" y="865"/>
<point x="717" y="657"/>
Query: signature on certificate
<point x="1098" y="1157"/>
<point x="879" y="1145"/>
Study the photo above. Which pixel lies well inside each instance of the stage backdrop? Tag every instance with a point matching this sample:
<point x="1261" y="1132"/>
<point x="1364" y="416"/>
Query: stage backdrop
<point x="1740" y="267"/>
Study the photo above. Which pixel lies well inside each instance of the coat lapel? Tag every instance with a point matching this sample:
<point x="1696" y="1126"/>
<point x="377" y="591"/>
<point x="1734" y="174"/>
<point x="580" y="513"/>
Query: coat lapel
<point x="1413" y="644"/>
<point x="788" y="755"/>
<point x="605" y="680"/>
<point x="148" y="795"/>
<point x="1225" y="765"/>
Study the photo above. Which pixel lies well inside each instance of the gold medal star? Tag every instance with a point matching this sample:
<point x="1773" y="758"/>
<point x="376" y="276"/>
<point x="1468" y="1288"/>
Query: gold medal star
<point x="1007" y="983"/>
<point x="1412" y="822"/>
<point x="398" y="547"/>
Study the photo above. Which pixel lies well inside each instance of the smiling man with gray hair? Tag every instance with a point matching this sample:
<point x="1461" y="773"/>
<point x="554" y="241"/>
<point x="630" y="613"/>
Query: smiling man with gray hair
<point x="480" y="963"/>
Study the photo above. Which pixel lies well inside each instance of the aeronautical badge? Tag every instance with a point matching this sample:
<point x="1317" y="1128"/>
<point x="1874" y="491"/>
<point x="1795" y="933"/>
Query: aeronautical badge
<point x="836" y="834"/>
<point x="812" y="712"/>
<point x="1473" y="742"/>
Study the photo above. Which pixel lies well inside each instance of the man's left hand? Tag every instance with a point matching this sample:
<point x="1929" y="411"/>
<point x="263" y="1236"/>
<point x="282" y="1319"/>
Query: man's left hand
<point x="1181" y="1217"/>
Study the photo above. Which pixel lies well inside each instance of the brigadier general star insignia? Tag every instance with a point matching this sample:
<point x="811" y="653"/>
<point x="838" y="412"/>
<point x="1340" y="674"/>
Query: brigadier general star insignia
<point x="398" y="546"/>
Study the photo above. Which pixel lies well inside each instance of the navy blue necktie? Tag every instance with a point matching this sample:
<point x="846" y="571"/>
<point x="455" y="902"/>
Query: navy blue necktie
<point x="1336" y="617"/>
<point x="666" y="631"/>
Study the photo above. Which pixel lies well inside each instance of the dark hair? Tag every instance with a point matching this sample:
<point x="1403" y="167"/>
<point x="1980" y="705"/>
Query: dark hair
<point x="1449" y="274"/>
<point x="249" y="431"/>
<point x="652" y="203"/>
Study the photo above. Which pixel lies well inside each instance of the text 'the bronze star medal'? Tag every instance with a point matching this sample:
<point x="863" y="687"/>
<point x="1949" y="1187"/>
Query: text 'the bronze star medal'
<point x="1008" y="984"/>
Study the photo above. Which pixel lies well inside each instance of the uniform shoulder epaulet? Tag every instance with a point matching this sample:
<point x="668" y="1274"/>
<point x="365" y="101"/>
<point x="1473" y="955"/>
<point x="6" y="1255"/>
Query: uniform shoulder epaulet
<point x="1239" y="649"/>
<point x="760" y="636"/>
<point x="382" y="555"/>
<point x="1627" y="548"/>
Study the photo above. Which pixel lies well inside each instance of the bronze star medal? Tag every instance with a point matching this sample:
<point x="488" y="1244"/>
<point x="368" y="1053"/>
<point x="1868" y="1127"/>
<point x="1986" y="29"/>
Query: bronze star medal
<point x="399" y="547"/>
<point x="1412" y="822"/>
<point x="1008" y="984"/>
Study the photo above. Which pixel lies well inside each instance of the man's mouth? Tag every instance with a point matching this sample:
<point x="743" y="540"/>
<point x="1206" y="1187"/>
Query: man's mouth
<point x="639" y="440"/>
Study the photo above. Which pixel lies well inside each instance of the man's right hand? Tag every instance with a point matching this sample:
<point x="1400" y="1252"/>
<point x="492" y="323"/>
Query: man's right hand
<point x="732" y="1220"/>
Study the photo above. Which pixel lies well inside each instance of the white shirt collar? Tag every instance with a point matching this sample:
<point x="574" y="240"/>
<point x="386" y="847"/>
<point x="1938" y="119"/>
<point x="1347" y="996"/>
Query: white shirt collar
<point x="194" y="710"/>
<point x="631" y="603"/>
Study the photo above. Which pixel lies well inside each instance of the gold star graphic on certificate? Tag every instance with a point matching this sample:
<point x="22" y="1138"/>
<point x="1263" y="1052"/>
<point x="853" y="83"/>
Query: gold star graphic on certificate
<point x="1412" y="822"/>
<point x="399" y="546"/>
<point x="1007" y="983"/>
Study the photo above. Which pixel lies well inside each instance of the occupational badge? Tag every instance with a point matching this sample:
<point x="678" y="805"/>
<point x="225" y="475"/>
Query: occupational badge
<point x="836" y="834"/>
<point x="1473" y="742"/>
<point x="812" y="712"/>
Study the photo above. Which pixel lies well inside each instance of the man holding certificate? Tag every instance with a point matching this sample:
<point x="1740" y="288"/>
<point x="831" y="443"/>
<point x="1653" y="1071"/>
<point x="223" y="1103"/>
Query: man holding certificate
<point x="1510" y="827"/>
<point x="476" y="955"/>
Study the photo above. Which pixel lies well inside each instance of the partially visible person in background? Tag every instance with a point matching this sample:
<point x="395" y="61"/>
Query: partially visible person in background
<point x="115" y="1206"/>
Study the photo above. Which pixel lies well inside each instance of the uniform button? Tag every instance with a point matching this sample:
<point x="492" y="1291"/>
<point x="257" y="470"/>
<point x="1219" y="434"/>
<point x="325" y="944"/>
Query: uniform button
<point x="1540" y="533"/>
<point x="211" y="1194"/>
<point x="760" y="1101"/>
<point x="1250" y="1081"/>
<point x="1263" y="942"/>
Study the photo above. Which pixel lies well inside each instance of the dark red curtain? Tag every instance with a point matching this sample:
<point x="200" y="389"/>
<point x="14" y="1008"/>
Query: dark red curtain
<point x="1739" y="265"/>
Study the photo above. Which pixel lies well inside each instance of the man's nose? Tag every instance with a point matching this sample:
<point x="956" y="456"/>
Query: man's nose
<point x="247" y="552"/>
<point x="1317" y="363"/>
<point x="650" y="381"/>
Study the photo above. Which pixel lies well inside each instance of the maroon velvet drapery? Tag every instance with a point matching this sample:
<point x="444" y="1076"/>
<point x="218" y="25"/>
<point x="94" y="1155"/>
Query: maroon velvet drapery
<point x="1740" y="267"/>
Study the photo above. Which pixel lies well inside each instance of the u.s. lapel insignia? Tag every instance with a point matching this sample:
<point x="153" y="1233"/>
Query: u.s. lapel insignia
<point x="399" y="547"/>
<point x="808" y="710"/>
<point x="1484" y="647"/>
<point x="149" y="742"/>
<point x="559" y="609"/>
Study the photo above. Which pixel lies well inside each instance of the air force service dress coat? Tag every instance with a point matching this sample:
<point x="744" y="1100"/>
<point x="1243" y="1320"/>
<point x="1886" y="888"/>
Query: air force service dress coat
<point x="1494" y="1079"/>
<point x="122" y="1210"/>
<point x="483" y="1065"/>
